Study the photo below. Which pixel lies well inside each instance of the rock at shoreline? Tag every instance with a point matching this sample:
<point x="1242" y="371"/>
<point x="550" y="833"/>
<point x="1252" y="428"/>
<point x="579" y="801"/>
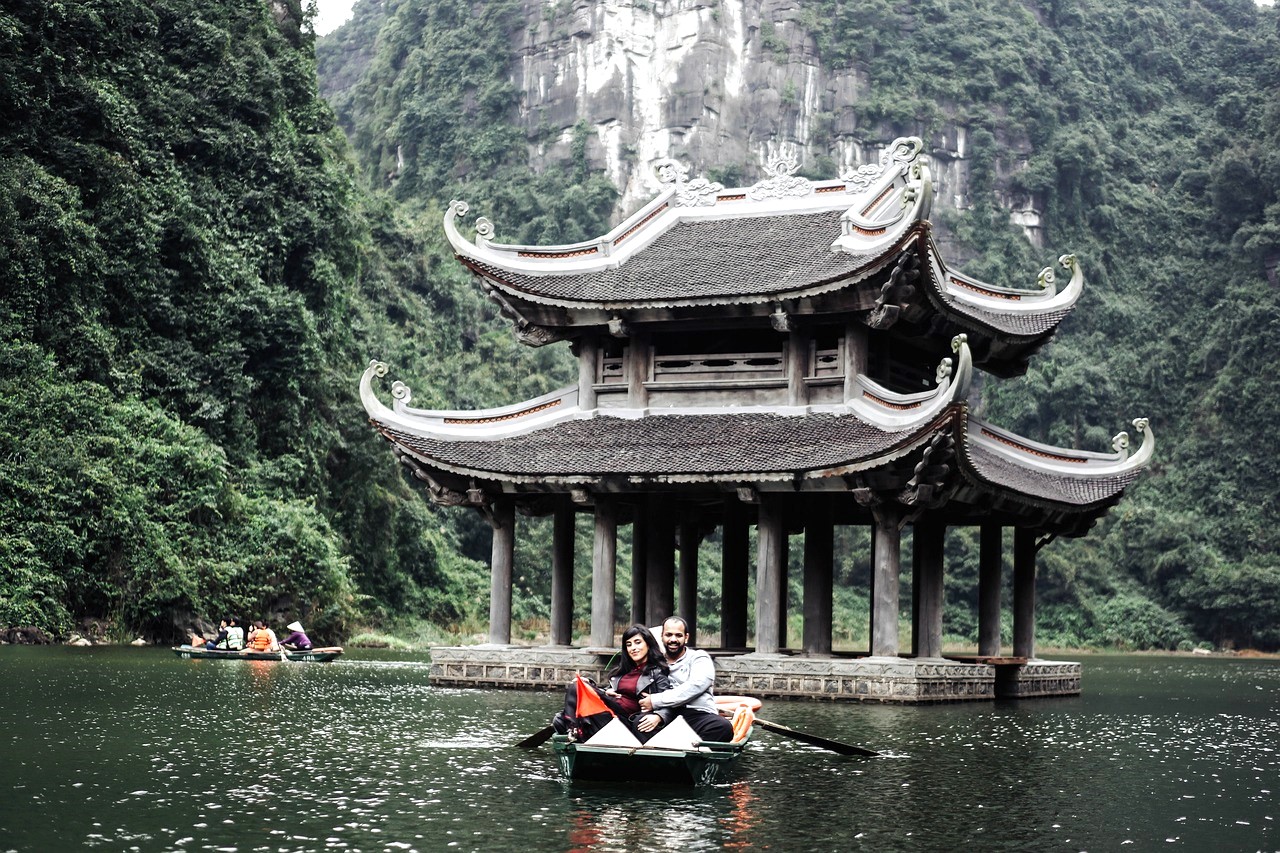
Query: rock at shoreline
<point x="25" y="635"/>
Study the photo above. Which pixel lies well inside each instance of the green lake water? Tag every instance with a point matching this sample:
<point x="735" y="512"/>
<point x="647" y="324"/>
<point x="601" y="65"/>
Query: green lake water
<point x="133" y="749"/>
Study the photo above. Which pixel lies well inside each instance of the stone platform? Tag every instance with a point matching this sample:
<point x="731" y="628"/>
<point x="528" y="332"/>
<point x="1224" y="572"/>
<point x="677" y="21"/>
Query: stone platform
<point x="843" y="679"/>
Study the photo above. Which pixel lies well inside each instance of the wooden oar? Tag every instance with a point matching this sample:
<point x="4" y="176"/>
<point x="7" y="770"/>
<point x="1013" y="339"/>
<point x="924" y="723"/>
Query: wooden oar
<point x="825" y="743"/>
<point x="537" y="739"/>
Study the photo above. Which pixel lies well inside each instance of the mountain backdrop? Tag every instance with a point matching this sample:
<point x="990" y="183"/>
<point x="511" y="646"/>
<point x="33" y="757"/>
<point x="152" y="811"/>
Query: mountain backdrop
<point x="210" y="221"/>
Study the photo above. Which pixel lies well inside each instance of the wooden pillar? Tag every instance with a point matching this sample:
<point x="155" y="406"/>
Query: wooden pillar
<point x="562" y="536"/>
<point x="1024" y="592"/>
<point x="604" y="563"/>
<point x="638" y="361"/>
<point x="885" y="569"/>
<point x="733" y="576"/>
<point x="855" y="358"/>
<point x="639" y="561"/>
<point x="504" y="549"/>
<point x="990" y="560"/>
<point x="687" y="601"/>
<point x="770" y="537"/>
<point x="819" y="569"/>
<point x="797" y="368"/>
<point x="928" y="537"/>
<point x="871" y="589"/>
<point x="660" y="587"/>
<point x="784" y="583"/>
<point x="588" y="370"/>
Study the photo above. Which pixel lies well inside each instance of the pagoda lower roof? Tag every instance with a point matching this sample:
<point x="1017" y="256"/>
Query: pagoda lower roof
<point x="551" y="443"/>
<point x="713" y="445"/>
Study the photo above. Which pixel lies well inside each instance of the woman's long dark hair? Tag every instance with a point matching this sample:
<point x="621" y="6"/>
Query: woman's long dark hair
<point x="653" y="658"/>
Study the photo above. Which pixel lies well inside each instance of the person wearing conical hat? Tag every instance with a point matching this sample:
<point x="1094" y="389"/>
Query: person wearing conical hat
<point x="297" y="640"/>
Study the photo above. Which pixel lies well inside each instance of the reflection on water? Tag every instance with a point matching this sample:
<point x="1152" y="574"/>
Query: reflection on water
<point x="124" y="749"/>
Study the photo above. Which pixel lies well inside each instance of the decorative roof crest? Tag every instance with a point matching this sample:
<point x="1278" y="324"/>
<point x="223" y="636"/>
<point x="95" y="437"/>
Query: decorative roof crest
<point x="696" y="193"/>
<point x="1048" y="279"/>
<point x="903" y="150"/>
<point x="782" y="181"/>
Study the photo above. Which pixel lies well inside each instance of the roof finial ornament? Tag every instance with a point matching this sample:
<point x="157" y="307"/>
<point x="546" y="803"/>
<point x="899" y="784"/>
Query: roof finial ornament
<point x="484" y="229"/>
<point x="944" y="372"/>
<point x="903" y="150"/>
<point x="1120" y="444"/>
<point x="696" y="193"/>
<point x="401" y="392"/>
<point x="782" y="181"/>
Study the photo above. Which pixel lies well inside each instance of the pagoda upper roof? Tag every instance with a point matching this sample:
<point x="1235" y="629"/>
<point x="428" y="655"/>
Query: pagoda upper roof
<point x="550" y="442"/>
<point x="781" y="240"/>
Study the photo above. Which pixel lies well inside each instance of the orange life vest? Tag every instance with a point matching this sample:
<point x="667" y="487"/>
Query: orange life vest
<point x="261" y="641"/>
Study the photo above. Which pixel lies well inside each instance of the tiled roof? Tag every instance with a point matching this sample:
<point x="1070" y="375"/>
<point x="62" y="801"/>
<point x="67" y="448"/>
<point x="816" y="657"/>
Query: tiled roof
<point x="709" y="259"/>
<point x="1059" y="488"/>
<point x="1025" y="325"/>
<point x="668" y="444"/>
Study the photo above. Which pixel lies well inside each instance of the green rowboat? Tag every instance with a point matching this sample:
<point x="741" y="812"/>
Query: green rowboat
<point x="317" y="655"/>
<point x="704" y="764"/>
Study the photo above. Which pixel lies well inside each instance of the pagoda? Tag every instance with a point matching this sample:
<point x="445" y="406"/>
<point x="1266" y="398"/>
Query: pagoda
<point x="791" y="355"/>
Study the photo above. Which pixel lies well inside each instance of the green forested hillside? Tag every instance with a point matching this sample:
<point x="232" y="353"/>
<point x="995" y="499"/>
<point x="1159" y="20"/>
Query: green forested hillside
<point x="196" y="265"/>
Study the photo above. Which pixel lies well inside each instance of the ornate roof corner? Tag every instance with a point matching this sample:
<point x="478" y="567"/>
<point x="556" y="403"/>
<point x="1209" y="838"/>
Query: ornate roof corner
<point x="1059" y="461"/>
<point x="782" y="182"/>
<point x="699" y="192"/>
<point x="962" y="378"/>
<point x="1143" y="457"/>
<point x="457" y="209"/>
<point x="1007" y="300"/>
<point x="372" y="405"/>
<point x="893" y="411"/>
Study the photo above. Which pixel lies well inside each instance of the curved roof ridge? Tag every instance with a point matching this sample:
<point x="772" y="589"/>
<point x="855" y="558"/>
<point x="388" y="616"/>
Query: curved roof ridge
<point x="865" y="194"/>
<point x="1019" y="311"/>
<point x="1062" y="460"/>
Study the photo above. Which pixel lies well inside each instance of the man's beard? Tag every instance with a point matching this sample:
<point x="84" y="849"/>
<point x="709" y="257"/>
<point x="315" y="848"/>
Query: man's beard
<point x="674" y="650"/>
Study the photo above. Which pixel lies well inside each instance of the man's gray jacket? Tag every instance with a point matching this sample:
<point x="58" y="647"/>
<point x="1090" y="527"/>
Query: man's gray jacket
<point x="692" y="679"/>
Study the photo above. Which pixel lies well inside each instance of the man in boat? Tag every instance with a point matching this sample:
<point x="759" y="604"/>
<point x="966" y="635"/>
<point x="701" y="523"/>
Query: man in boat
<point x="693" y="675"/>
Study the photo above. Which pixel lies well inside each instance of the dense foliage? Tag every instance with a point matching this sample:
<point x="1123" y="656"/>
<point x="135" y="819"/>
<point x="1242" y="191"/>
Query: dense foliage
<point x="182" y="249"/>
<point x="196" y="262"/>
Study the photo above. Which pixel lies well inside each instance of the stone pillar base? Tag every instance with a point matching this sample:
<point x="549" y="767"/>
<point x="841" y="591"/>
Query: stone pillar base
<point x="519" y="667"/>
<point x="873" y="679"/>
<point x="906" y="681"/>
<point x="1038" y="678"/>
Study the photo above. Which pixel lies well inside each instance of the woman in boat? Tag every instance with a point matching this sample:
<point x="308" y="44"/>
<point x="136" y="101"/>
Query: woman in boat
<point x="640" y="669"/>
<point x="297" y="640"/>
<point x="262" y="639"/>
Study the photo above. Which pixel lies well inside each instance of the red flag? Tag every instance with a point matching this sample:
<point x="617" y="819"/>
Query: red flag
<point x="589" y="701"/>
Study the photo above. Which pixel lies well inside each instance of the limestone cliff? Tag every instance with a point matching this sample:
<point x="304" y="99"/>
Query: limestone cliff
<point x="722" y="85"/>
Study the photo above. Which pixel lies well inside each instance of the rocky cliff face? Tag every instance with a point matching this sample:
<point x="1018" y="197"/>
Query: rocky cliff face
<point x="722" y="85"/>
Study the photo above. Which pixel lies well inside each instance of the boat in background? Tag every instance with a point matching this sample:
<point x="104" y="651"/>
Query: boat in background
<point x="316" y="655"/>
